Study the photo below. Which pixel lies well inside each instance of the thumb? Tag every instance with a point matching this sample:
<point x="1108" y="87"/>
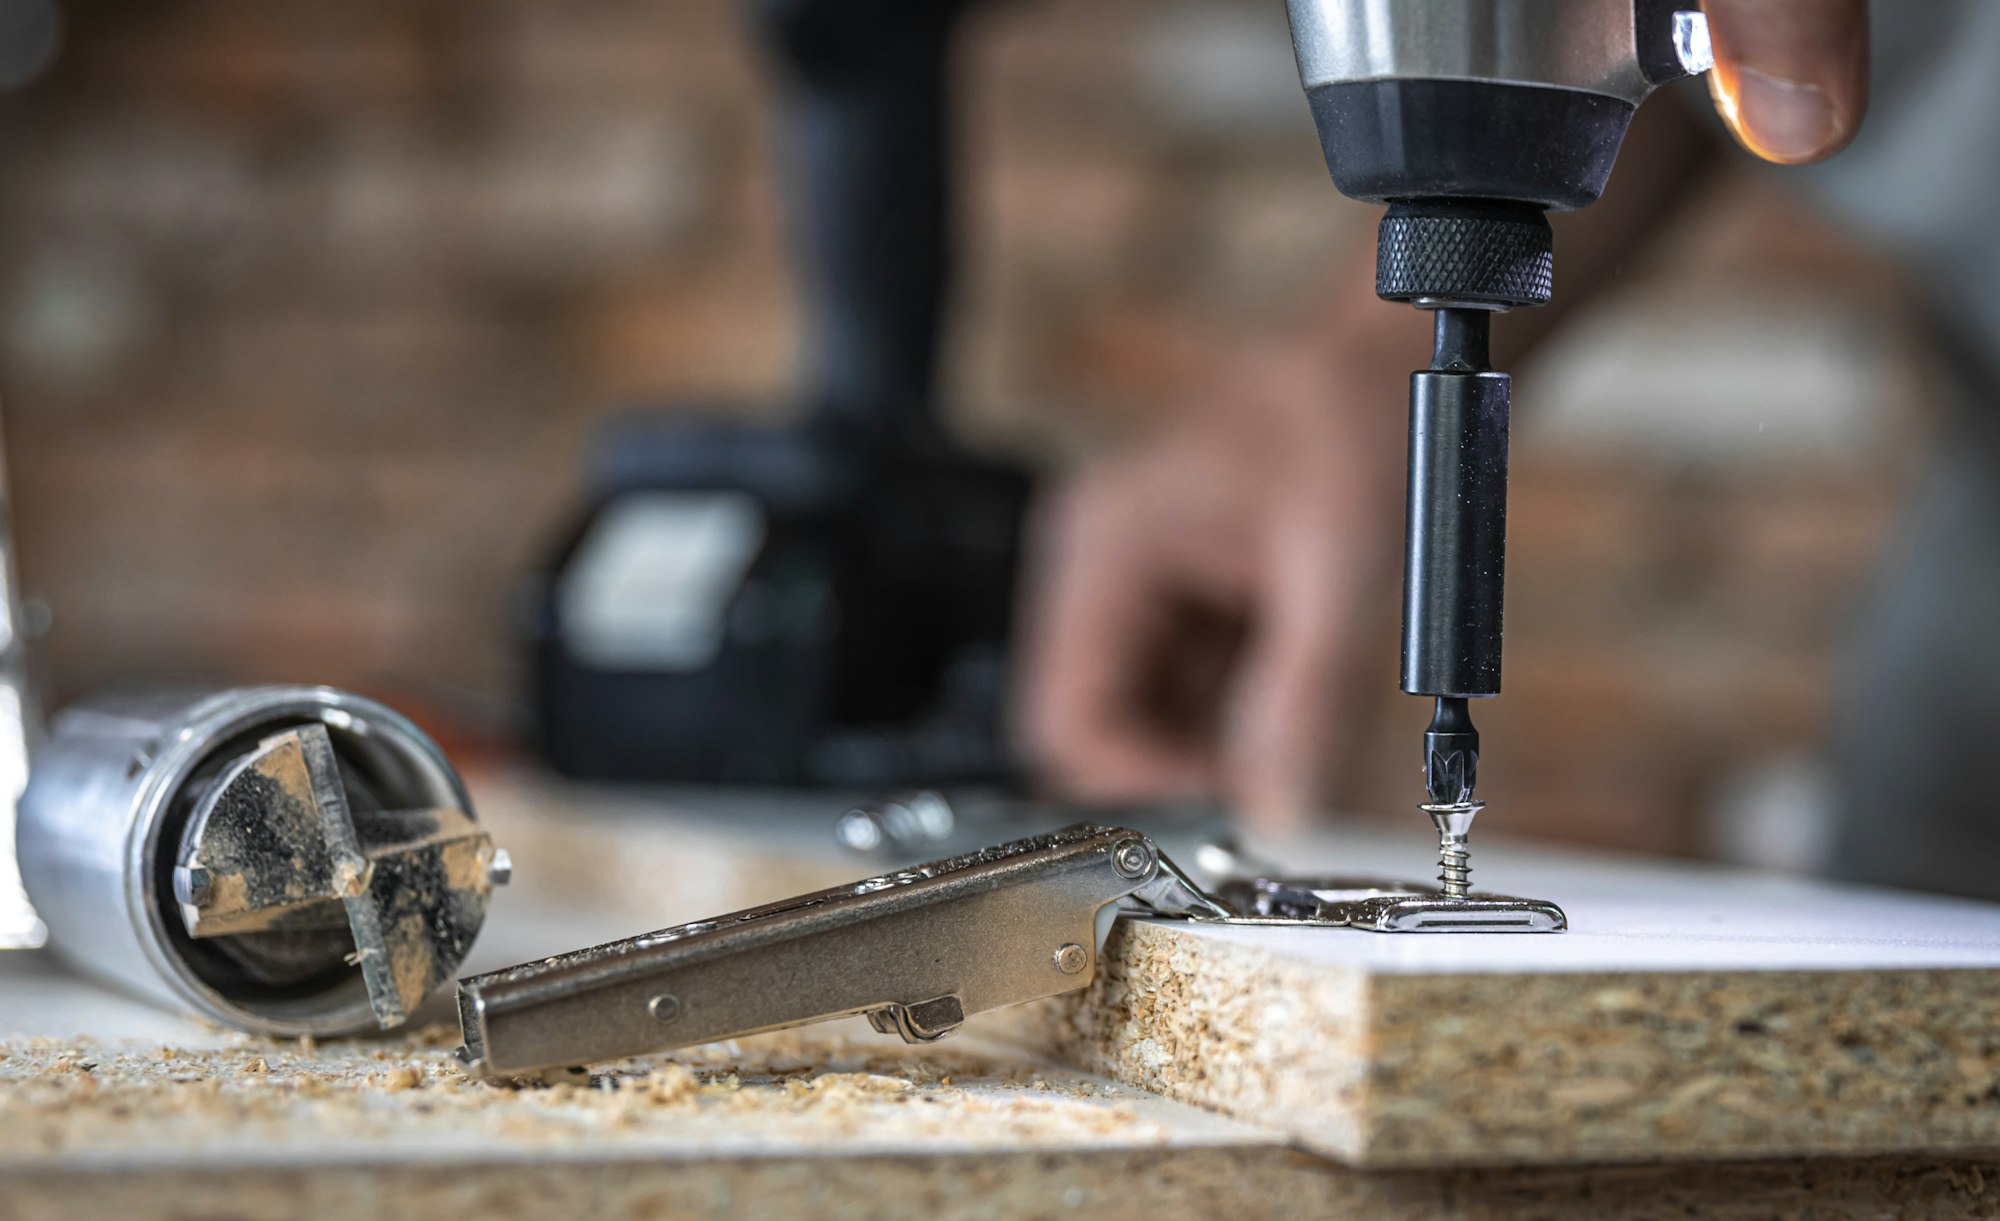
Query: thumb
<point x="1791" y="76"/>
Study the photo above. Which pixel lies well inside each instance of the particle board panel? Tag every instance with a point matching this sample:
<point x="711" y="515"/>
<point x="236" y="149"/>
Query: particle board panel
<point x="1692" y="1012"/>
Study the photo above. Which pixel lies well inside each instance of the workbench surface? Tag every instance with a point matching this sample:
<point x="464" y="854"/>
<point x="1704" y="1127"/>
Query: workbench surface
<point x="1694" y="1016"/>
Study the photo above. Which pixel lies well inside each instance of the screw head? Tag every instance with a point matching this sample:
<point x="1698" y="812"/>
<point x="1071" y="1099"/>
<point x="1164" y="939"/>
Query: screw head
<point x="664" y="1007"/>
<point x="1071" y="959"/>
<point x="1132" y="858"/>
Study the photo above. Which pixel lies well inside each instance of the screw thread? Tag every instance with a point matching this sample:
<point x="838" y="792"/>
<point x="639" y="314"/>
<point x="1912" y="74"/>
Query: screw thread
<point x="1454" y="868"/>
<point x="1454" y="824"/>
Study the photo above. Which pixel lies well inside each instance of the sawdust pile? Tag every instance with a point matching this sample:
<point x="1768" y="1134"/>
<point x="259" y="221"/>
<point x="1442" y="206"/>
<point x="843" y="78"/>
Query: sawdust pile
<point x="60" y="1100"/>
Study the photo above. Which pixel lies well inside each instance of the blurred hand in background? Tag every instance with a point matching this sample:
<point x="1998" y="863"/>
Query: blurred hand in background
<point x="1197" y="621"/>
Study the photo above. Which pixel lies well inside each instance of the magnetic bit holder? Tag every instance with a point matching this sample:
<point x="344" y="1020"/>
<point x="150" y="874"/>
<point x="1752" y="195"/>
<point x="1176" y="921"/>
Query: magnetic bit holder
<point x="918" y="950"/>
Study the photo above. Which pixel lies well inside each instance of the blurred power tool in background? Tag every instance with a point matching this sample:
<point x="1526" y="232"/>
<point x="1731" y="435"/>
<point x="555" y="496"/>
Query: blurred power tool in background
<point x="828" y="602"/>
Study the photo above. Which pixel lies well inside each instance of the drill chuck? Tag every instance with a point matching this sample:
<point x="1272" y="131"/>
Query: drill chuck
<point x="1485" y="254"/>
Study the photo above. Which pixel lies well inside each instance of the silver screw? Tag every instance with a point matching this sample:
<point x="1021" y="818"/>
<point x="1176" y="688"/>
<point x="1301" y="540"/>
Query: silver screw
<point x="664" y="1007"/>
<point x="1454" y="824"/>
<point x="1132" y="858"/>
<point x="501" y="871"/>
<point x="1071" y="959"/>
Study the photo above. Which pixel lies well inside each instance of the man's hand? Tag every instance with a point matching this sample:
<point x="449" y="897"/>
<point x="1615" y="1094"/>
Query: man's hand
<point x="1791" y="76"/>
<point x="1197" y="621"/>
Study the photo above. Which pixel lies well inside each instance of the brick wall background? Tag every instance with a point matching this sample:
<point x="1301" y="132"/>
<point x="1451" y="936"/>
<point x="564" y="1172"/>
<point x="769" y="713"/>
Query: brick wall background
<point x="306" y="310"/>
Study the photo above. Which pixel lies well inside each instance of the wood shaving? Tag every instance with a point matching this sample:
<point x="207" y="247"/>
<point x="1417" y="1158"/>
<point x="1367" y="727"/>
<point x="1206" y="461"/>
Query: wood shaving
<point x="59" y="1099"/>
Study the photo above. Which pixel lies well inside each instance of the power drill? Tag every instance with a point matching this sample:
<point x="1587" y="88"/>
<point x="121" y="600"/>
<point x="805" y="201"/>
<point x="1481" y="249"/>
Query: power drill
<point x="828" y="602"/>
<point x="1471" y="120"/>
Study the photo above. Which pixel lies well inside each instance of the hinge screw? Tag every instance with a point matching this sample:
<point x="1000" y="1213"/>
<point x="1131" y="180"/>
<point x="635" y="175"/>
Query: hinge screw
<point x="1454" y="823"/>
<point x="1132" y="858"/>
<point x="1071" y="959"/>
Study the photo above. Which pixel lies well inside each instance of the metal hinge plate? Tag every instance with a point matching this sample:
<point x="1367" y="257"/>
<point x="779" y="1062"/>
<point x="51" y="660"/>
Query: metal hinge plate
<point x="918" y="950"/>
